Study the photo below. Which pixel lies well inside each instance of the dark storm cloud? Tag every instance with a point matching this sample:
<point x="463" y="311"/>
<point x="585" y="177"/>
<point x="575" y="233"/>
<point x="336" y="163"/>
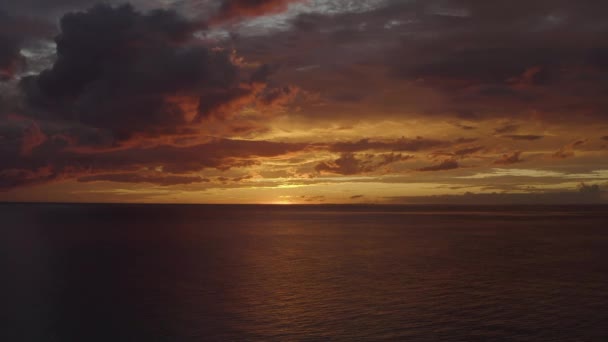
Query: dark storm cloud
<point x="129" y="73"/>
<point x="492" y="42"/>
<point x="483" y="58"/>
<point x="509" y="53"/>
<point x="11" y="60"/>
<point x="14" y="32"/>
<point x="448" y="164"/>
<point x="36" y="5"/>
<point x="48" y="11"/>
<point x="114" y="67"/>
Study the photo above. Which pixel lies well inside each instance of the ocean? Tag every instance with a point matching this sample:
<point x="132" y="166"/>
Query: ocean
<point x="126" y="272"/>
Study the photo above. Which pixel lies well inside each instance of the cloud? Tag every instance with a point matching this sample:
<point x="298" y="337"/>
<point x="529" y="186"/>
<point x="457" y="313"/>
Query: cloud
<point x="12" y="178"/>
<point x="459" y="153"/>
<point x="529" y="137"/>
<point x="131" y="91"/>
<point x="177" y="163"/>
<point x="508" y="159"/>
<point x="319" y="198"/>
<point x="152" y="178"/>
<point x="506" y="66"/>
<point x="567" y="151"/>
<point x="239" y="9"/>
<point x="16" y="32"/>
<point x="465" y="127"/>
<point x="278" y="97"/>
<point x="390" y="158"/>
<point x="448" y="164"/>
<point x="32" y="138"/>
<point x="518" y="27"/>
<point x="498" y="172"/>
<point x="349" y="164"/>
<point x="11" y="60"/>
<point x="129" y="73"/>
<point x="402" y="144"/>
<point x="468" y="151"/>
<point x="44" y="5"/>
<point x="508" y="128"/>
<point x="586" y="194"/>
<point x="562" y="154"/>
<point x="19" y="139"/>
<point x="13" y="33"/>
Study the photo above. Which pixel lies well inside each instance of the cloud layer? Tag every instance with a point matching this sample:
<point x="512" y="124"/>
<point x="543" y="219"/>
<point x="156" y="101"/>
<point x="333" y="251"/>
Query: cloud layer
<point x="268" y="95"/>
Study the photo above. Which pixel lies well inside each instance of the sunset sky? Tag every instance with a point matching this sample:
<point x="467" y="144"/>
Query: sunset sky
<point x="318" y="101"/>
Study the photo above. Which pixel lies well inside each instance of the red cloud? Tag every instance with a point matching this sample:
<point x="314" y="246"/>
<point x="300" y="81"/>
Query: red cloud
<point x="235" y="9"/>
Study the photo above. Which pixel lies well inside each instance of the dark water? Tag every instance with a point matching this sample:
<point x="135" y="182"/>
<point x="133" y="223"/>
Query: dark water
<point x="335" y="273"/>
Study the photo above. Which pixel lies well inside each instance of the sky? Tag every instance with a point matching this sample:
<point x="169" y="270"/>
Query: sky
<point x="304" y="101"/>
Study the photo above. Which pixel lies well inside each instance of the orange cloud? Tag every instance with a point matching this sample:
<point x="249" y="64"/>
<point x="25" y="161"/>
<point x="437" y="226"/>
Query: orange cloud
<point x="448" y="164"/>
<point x="350" y="164"/>
<point x="508" y="159"/>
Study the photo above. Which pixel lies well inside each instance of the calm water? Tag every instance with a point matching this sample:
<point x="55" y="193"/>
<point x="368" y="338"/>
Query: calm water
<point x="334" y="273"/>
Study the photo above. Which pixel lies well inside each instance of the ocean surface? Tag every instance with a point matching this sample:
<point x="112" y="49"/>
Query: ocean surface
<point x="302" y="273"/>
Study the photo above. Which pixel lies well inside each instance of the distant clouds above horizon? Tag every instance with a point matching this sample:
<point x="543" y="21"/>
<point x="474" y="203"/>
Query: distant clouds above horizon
<point x="303" y="101"/>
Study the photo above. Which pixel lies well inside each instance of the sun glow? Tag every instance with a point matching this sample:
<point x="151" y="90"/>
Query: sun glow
<point x="282" y="202"/>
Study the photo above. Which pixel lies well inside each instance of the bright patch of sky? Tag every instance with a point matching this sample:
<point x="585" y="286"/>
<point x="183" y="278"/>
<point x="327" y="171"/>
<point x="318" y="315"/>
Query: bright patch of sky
<point x="40" y="55"/>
